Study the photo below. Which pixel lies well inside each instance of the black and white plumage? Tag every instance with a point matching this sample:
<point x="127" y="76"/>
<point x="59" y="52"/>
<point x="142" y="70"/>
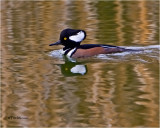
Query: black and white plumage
<point x="71" y="39"/>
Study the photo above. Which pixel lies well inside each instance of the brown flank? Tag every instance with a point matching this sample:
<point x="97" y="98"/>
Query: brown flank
<point x="95" y="51"/>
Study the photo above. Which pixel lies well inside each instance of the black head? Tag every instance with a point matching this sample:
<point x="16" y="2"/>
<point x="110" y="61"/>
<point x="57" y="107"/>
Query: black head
<point x="70" y="38"/>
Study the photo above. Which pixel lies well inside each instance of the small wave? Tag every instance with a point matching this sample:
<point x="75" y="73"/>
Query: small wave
<point x="143" y="47"/>
<point x="56" y="53"/>
<point x="145" y="54"/>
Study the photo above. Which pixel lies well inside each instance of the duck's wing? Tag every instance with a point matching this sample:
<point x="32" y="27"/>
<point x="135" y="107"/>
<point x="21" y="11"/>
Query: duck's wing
<point x="88" y="50"/>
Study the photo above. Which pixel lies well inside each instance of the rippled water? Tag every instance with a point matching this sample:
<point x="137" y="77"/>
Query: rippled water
<point x="42" y="88"/>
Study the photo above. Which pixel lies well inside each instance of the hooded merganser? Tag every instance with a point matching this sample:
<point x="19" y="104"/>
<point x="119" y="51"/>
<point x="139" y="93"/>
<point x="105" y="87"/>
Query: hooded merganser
<point x="71" y="39"/>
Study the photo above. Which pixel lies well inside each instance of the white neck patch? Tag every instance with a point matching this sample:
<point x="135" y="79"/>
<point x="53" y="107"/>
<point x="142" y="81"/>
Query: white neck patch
<point x="78" y="37"/>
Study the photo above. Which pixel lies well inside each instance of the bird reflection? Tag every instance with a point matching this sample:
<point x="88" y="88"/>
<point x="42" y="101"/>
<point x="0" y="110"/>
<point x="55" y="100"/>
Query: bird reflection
<point x="73" y="68"/>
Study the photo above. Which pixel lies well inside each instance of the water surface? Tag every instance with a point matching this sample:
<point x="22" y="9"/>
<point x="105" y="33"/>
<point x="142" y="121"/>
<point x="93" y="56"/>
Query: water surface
<point x="42" y="88"/>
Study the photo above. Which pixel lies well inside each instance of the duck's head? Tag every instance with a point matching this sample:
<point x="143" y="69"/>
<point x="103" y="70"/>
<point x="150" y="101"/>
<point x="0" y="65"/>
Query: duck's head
<point x="70" y="38"/>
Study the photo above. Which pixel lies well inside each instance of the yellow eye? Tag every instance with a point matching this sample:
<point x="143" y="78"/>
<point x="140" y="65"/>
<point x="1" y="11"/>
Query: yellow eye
<point x="65" y="38"/>
<point x="66" y="69"/>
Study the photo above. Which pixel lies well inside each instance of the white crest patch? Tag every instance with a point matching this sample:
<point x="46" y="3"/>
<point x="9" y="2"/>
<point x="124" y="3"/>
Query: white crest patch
<point x="78" y="37"/>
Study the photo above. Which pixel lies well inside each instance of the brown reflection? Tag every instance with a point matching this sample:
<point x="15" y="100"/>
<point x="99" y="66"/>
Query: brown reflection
<point x="144" y="22"/>
<point x="120" y="22"/>
<point x="91" y="22"/>
<point x="145" y="27"/>
<point x="148" y="87"/>
<point x="23" y="68"/>
<point x="139" y="17"/>
<point x="102" y="95"/>
<point x="82" y="15"/>
<point x="117" y="97"/>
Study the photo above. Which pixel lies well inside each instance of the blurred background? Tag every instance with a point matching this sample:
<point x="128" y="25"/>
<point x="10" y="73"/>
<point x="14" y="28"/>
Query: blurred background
<point x="119" y="90"/>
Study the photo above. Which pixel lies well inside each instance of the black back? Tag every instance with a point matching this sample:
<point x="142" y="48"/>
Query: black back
<point x="88" y="46"/>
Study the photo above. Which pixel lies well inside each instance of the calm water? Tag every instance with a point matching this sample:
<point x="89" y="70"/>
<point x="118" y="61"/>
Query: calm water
<point x="40" y="87"/>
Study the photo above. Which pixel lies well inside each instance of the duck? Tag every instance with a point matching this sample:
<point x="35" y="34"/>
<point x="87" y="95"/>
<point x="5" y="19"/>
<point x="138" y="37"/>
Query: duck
<point x="71" y="40"/>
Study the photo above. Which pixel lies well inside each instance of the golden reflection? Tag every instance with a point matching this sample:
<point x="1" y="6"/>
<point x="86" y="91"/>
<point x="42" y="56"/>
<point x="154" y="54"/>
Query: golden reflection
<point x="91" y="22"/>
<point x="27" y="78"/>
<point x="107" y="112"/>
<point x="144" y="22"/>
<point x="145" y="30"/>
<point x="120" y="22"/>
<point x="148" y="87"/>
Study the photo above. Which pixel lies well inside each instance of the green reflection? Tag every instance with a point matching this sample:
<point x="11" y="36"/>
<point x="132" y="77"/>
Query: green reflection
<point x="107" y="25"/>
<point x="73" y="68"/>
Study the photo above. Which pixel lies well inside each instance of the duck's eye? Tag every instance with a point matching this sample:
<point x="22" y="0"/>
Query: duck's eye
<point x="65" y="38"/>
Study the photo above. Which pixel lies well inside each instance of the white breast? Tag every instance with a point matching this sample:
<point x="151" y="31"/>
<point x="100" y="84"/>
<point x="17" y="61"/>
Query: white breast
<point x="70" y="52"/>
